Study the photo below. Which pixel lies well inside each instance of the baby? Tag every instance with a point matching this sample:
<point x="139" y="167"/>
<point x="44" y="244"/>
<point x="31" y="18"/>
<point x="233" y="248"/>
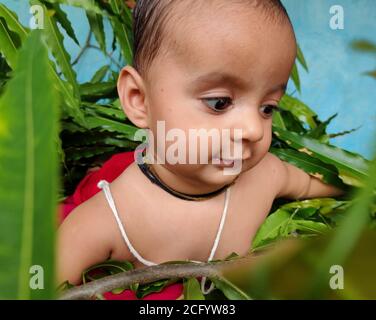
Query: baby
<point x="204" y="64"/>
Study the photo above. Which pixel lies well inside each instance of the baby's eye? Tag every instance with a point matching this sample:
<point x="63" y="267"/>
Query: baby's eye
<point x="219" y="104"/>
<point x="268" y="110"/>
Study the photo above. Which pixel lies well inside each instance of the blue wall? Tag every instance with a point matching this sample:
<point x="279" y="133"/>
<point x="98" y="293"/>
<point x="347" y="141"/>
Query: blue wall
<point x="334" y="84"/>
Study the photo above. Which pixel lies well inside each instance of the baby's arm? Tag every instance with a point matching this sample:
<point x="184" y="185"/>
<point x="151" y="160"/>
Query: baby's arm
<point x="84" y="239"/>
<point x="294" y="183"/>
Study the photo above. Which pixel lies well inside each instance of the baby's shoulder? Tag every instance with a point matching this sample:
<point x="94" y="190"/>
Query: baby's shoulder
<point x="92" y="220"/>
<point x="265" y="175"/>
<point x="267" y="166"/>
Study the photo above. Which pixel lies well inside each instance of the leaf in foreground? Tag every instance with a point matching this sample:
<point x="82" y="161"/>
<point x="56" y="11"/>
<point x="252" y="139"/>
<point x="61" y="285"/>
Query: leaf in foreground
<point x="28" y="175"/>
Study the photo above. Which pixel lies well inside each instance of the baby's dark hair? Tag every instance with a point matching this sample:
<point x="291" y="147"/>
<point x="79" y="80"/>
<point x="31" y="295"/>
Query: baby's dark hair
<point x="151" y="18"/>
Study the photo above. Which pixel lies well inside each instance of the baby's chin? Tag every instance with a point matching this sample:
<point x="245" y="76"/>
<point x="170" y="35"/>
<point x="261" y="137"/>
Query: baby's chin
<point x="211" y="175"/>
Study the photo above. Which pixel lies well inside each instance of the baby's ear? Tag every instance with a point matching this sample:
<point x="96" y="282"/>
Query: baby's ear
<point x="131" y="92"/>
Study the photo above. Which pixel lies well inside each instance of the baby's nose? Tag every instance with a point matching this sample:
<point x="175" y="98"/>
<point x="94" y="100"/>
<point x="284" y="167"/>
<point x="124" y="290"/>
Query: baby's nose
<point x="251" y="125"/>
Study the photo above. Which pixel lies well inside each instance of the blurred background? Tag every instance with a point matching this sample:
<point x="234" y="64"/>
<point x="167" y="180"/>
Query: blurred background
<point x="335" y="82"/>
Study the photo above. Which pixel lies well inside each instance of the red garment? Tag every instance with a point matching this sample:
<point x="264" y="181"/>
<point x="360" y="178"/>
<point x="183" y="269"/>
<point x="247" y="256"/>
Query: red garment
<point x="87" y="188"/>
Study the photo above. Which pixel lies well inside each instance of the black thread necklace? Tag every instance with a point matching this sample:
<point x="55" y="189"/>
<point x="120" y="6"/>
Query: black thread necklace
<point x="153" y="177"/>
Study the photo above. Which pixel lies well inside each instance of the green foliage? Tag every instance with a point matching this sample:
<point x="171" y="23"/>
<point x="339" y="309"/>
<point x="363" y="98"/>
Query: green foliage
<point x="192" y="290"/>
<point x="230" y="290"/>
<point x="28" y="195"/>
<point x="303" y="270"/>
<point x="368" y="47"/>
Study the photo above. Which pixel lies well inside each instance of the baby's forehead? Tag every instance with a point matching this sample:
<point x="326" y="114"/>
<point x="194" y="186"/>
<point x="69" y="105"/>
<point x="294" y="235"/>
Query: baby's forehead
<point x="229" y="31"/>
<point x="230" y="37"/>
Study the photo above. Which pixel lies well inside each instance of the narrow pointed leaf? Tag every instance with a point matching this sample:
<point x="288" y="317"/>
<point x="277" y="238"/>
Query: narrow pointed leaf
<point x="301" y="59"/>
<point x="70" y="103"/>
<point x="348" y="234"/>
<point x="28" y="175"/>
<point x="348" y="164"/>
<point x="96" y="25"/>
<point x="8" y="47"/>
<point x="315" y="167"/>
<point x="88" y="5"/>
<point x="271" y="229"/>
<point x="100" y="74"/>
<point x="55" y="42"/>
<point x="299" y="110"/>
<point x="192" y="290"/>
<point x="122" y="36"/>
<point x="295" y="77"/>
<point x="62" y="18"/>
<point x="12" y="21"/>
<point x="231" y="291"/>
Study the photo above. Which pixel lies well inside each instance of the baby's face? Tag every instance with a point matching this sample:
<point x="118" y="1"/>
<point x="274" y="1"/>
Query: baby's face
<point x="232" y="67"/>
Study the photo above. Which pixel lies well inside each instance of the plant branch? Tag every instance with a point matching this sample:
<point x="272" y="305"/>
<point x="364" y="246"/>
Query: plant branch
<point x="83" y="49"/>
<point x="149" y="274"/>
<point x="107" y="55"/>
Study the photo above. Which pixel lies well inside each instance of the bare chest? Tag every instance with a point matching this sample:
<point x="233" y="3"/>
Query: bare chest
<point x="171" y="229"/>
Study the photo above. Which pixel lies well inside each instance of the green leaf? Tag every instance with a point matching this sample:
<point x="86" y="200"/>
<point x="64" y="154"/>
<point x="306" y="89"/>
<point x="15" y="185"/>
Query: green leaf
<point x="320" y="131"/>
<point x="371" y="73"/>
<point x="278" y="120"/>
<point x="70" y="103"/>
<point x="363" y="46"/>
<point x="97" y="139"/>
<point x="100" y="74"/>
<point x="306" y="226"/>
<point x="103" y="124"/>
<point x="12" y="21"/>
<point x="28" y="174"/>
<point x="74" y="154"/>
<point x="69" y="89"/>
<point x="313" y="166"/>
<point x="299" y="110"/>
<point x="348" y="164"/>
<point x="96" y="91"/>
<point x="88" y="5"/>
<point x="109" y="267"/>
<point x="65" y="286"/>
<point x="295" y="77"/>
<point x="8" y="46"/>
<point x="10" y="29"/>
<point x="157" y="286"/>
<point x="348" y="233"/>
<point x="292" y="123"/>
<point x="301" y="59"/>
<point x="192" y="290"/>
<point x="62" y="18"/>
<point x="324" y="205"/>
<point x="108" y="111"/>
<point x="96" y="25"/>
<point x="271" y="229"/>
<point x="231" y="291"/>
<point x="55" y="41"/>
<point x="343" y="133"/>
<point x="123" y="38"/>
